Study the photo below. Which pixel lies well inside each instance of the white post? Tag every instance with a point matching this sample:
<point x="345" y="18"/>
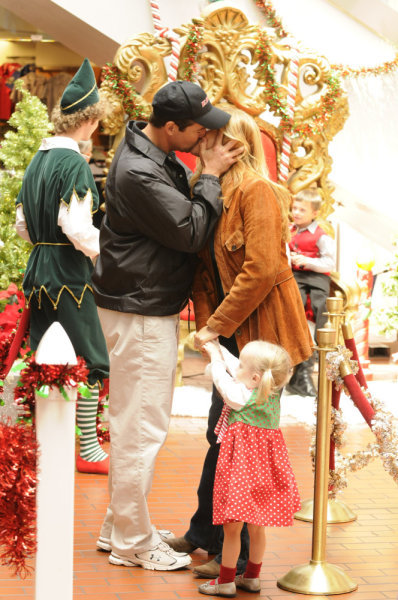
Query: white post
<point x="55" y="427"/>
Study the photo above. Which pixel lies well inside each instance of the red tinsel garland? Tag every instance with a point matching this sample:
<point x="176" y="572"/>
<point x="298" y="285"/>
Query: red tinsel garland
<point x="102" y="430"/>
<point x="34" y="376"/>
<point x="5" y="344"/>
<point x="18" y="451"/>
<point x="18" y="456"/>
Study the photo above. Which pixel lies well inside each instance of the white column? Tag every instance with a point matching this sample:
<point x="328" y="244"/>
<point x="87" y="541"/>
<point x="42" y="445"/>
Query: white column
<point x="55" y="427"/>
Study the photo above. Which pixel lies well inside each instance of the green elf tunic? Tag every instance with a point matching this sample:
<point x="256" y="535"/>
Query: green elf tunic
<point x="54" y="212"/>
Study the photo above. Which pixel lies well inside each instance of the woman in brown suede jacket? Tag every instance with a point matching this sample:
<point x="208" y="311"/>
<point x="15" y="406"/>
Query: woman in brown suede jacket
<point x="259" y="296"/>
<point x="243" y="290"/>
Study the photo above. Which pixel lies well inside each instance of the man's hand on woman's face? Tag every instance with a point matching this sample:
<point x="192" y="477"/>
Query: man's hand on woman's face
<point x="217" y="157"/>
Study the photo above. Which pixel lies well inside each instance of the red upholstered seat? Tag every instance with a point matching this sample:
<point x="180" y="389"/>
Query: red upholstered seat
<point x="188" y="314"/>
<point x="188" y="159"/>
<point x="308" y="310"/>
<point x="270" y="155"/>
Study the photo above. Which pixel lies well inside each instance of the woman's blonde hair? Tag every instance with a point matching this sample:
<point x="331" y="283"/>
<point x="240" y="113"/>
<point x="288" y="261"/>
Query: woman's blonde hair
<point x="272" y="363"/>
<point x="243" y="129"/>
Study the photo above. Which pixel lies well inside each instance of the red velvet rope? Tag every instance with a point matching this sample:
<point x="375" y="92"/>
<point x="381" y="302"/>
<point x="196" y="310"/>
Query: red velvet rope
<point x="23" y="326"/>
<point x="359" y="398"/>
<point x="353" y="384"/>
<point x="350" y="345"/>
<point x="335" y="403"/>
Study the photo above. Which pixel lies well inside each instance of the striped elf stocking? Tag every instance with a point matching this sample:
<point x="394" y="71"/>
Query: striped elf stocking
<point x="87" y="408"/>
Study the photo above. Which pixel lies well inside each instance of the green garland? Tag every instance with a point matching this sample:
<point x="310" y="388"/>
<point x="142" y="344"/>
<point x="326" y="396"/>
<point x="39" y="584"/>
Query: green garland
<point x="327" y="107"/>
<point x="192" y="47"/>
<point x="275" y="97"/>
<point x="344" y="71"/>
<point x="386" y="67"/>
<point x="125" y="91"/>
<point x="272" y="17"/>
<point x="277" y="102"/>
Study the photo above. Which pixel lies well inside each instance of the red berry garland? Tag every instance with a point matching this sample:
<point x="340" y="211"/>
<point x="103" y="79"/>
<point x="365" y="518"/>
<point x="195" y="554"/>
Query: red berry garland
<point x="344" y="71"/>
<point x="125" y="91"/>
<point x="192" y="47"/>
<point x="18" y="455"/>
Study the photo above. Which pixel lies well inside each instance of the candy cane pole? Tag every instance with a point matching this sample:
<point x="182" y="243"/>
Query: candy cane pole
<point x="55" y="430"/>
<point x="166" y="33"/>
<point x="292" y="84"/>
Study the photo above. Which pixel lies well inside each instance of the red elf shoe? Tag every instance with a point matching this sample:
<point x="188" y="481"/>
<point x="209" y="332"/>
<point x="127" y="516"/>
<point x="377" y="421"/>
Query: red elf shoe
<point x="100" y="467"/>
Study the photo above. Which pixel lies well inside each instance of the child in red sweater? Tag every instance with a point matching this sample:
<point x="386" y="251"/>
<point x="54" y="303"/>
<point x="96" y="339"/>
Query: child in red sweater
<point x="312" y="254"/>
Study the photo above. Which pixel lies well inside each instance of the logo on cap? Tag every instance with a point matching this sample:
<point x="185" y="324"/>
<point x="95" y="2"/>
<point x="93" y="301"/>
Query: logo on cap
<point x="204" y="102"/>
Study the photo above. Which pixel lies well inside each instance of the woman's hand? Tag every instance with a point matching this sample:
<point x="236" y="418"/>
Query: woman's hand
<point x="206" y="334"/>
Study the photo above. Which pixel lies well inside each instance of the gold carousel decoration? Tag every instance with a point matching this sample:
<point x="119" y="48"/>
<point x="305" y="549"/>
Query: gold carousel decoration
<point x="247" y="66"/>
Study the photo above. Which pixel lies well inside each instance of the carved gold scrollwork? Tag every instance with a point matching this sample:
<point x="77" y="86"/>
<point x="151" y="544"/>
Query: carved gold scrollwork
<point x="141" y="60"/>
<point x="225" y="63"/>
<point x="229" y="70"/>
<point x="140" y="63"/>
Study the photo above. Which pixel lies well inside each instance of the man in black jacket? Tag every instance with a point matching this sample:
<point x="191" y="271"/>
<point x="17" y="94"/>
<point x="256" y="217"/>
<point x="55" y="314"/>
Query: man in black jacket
<point x="153" y="228"/>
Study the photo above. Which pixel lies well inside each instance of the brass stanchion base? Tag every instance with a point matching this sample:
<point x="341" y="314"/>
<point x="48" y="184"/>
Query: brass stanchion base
<point x="337" y="512"/>
<point x="317" y="578"/>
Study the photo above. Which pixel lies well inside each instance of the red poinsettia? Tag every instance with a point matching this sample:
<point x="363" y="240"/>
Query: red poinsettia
<point x="14" y="304"/>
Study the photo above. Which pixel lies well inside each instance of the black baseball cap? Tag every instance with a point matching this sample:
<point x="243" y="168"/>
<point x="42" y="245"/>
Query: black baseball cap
<point x="186" y="100"/>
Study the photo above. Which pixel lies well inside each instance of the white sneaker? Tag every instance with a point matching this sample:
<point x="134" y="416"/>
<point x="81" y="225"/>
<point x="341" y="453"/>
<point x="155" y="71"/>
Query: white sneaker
<point x="104" y="544"/>
<point x="165" y="534"/>
<point x="161" y="558"/>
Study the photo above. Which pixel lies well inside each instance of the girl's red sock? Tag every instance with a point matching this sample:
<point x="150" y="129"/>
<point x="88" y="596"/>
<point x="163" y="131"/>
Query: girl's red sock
<point x="227" y="575"/>
<point x="252" y="570"/>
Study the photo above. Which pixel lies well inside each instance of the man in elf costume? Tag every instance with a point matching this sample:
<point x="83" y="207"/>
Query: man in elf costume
<point x="54" y="213"/>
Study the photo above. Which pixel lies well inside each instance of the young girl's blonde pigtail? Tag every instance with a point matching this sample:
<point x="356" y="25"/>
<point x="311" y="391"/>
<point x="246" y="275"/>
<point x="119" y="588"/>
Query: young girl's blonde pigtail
<point x="272" y="363"/>
<point x="265" y="387"/>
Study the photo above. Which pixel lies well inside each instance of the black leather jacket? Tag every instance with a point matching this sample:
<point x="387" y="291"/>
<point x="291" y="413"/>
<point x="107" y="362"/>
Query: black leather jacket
<point x="152" y="229"/>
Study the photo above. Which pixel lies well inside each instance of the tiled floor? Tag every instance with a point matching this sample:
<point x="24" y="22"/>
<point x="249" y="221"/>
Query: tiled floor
<point x="366" y="549"/>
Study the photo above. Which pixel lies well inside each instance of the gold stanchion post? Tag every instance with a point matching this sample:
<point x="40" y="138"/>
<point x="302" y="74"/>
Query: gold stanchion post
<point x="318" y="576"/>
<point x="337" y="511"/>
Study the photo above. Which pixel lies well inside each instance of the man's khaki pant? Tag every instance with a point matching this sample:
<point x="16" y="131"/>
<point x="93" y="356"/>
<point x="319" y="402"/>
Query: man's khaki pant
<point x="143" y="356"/>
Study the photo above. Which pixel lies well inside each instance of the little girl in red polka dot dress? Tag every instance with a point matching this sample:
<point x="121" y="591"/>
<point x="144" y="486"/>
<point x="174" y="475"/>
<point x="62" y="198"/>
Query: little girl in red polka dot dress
<point x="254" y="481"/>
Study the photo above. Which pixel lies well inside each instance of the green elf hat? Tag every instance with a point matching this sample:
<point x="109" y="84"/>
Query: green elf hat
<point x="81" y="91"/>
